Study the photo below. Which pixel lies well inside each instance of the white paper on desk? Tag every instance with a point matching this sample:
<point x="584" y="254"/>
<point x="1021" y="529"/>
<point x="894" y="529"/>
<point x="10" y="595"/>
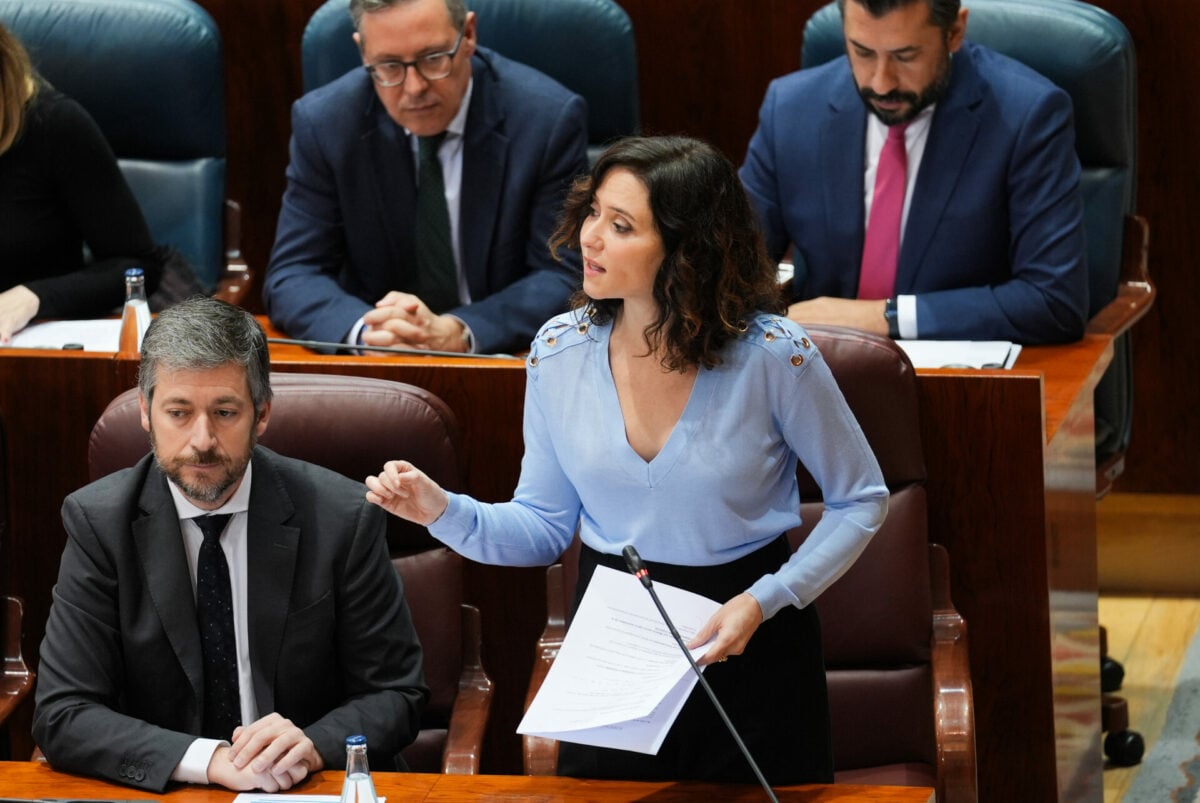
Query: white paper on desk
<point x="103" y="334"/>
<point x="286" y="797"/>
<point x="960" y="353"/>
<point x="620" y="679"/>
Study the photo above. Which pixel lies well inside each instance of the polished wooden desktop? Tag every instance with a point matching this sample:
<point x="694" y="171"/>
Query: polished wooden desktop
<point x="1010" y="488"/>
<point x="35" y="780"/>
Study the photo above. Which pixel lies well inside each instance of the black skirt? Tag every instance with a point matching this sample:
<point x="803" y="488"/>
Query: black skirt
<point x="774" y="692"/>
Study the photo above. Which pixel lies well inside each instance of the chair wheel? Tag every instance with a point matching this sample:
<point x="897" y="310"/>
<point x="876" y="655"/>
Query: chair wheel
<point x="1124" y="748"/>
<point x="1112" y="675"/>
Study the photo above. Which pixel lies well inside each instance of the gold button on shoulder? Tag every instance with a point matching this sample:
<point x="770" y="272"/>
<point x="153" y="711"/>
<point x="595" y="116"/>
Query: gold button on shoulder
<point x="805" y="342"/>
<point x="533" y="360"/>
<point x="797" y="360"/>
<point x="769" y="336"/>
<point x="552" y="341"/>
<point x="582" y="328"/>
<point x="742" y="326"/>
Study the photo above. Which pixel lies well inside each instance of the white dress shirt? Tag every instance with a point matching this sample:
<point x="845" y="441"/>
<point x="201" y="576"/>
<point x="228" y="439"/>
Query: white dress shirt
<point x="450" y="154"/>
<point x="193" y="767"/>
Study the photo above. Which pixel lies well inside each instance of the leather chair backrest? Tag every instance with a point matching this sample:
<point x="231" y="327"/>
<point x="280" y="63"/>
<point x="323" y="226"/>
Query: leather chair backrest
<point x="1089" y="54"/>
<point x="586" y="45"/>
<point x="433" y="585"/>
<point x="150" y="73"/>
<point x="877" y="619"/>
<point x="349" y="424"/>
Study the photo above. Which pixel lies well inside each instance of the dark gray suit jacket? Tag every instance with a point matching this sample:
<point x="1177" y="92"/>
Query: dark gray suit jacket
<point x="346" y="236"/>
<point x="332" y="645"/>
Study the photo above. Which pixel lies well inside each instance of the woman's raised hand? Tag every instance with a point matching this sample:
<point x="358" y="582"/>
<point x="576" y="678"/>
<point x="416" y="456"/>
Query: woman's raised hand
<point x="404" y="490"/>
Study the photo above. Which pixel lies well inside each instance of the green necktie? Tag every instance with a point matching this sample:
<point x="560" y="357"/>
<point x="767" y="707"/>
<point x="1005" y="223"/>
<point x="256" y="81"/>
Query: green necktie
<point x="437" y="275"/>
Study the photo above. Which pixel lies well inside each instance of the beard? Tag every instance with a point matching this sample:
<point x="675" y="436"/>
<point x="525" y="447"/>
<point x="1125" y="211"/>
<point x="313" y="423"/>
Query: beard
<point x="917" y="101"/>
<point x="207" y="490"/>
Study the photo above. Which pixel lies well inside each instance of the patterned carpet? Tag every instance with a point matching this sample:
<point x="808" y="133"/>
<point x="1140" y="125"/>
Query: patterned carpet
<point x="1170" y="772"/>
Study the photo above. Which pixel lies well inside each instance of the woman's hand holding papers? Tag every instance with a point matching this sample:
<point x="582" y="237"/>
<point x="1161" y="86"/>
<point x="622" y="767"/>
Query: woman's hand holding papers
<point x="731" y="627"/>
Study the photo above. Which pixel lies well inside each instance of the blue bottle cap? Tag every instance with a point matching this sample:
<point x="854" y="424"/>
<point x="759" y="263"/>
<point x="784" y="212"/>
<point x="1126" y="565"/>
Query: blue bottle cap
<point x="133" y="271"/>
<point x="356" y="740"/>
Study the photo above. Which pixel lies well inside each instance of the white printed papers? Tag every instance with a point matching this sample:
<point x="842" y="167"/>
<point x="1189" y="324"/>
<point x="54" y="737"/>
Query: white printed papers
<point x="620" y="678"/>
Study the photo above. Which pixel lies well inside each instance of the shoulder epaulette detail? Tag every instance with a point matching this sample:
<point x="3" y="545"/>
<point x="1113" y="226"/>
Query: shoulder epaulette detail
<point x="780" y="337"/>
<point x="558" y="334"/>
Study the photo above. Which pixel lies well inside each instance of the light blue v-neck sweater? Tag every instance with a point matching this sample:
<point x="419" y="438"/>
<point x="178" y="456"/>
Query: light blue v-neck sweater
<point x="723" y="485"/>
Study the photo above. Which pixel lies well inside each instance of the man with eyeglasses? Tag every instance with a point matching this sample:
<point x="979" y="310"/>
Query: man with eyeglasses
<point x="422" y="191"/>
<point x="986" y="218"/>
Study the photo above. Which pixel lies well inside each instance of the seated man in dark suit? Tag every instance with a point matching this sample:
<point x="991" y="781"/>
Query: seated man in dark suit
<point x="979" y="231"/>
<point x="419" y="203"/>
<point x="223" y="614"/>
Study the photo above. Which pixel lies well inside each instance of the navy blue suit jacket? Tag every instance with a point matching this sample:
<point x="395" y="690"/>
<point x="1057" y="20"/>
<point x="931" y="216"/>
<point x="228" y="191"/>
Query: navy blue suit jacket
<point x="993" y="248"/>
<point x="345" y="236"/>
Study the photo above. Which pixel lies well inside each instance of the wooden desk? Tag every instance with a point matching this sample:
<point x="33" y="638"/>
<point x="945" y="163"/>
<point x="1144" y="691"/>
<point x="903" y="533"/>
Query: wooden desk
<point x="37" y="780"/>
<point x="1010" y="462"/>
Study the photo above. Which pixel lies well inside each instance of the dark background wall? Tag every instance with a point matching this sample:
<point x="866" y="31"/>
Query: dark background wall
<point x="704" y="67"/>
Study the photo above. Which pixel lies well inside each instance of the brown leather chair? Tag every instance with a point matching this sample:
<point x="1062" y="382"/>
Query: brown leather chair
<point x="17" y="682"/>
<point x="895" y="647"/>
<point x="352" y="425"/>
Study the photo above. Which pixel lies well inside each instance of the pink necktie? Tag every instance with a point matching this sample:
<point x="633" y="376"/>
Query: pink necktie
<point x="881" y="247"/>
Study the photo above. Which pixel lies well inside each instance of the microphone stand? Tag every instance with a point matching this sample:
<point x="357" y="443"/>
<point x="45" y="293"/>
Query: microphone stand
<point x="634" y="562"/>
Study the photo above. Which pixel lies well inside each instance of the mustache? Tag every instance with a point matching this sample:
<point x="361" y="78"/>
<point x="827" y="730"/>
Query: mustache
<point x="209" y="457"/>
<point x="895" y="96"/>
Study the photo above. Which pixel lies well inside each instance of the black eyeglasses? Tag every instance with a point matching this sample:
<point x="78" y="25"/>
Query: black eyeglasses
<point x="433" y="67"/>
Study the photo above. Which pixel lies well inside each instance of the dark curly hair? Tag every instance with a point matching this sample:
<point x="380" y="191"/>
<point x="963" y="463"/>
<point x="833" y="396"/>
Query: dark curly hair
<point x="716" y="271"/>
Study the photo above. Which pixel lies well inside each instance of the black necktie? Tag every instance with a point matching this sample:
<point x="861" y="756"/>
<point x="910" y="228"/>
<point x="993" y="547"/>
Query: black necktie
<point x="214" y="610"/>
<point x="437" y="276"/>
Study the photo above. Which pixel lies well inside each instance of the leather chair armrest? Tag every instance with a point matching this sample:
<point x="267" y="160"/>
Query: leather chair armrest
<point x="469" y="716"/>
<point x="1135" y="290"/>
<point x="17" y="681"/>
<point x="540" y="755"/>
<point x="954" y="714"/>
<point x="235" y="281"/>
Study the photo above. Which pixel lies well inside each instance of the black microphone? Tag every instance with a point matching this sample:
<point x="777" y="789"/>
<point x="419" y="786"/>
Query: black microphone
<point x="638" y="568"/>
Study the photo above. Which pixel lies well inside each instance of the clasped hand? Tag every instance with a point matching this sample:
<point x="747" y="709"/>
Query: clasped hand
<point x="269" y="754"/>
<point x="402" y="319"/>
<point x="18" y="305"/>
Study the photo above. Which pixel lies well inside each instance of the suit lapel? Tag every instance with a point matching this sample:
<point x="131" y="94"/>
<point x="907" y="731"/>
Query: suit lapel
<point x="160" y="549"/>
<point x="951" y="135"/>
<point x="271" y="550"/>
<point x="485" y="156"/>
<point x="393" y="175"/>
<point x="842" y="164"/>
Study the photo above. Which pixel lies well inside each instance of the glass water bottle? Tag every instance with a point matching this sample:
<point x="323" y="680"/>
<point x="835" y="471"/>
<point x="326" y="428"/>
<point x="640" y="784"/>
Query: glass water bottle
<point x="135" y="317"/>
<point x="358" y="787"/>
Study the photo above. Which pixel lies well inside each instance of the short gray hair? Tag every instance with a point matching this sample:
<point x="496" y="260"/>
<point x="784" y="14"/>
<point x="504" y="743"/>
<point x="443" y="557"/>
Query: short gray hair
<point x="457" y="9"/>
<point x="203" y="333"/>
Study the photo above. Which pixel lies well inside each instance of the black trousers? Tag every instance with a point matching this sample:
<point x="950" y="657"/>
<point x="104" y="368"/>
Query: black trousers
<point x="774" y="693"/>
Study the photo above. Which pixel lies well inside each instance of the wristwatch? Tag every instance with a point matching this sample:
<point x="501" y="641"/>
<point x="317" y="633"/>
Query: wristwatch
<point x="892" y="316"/>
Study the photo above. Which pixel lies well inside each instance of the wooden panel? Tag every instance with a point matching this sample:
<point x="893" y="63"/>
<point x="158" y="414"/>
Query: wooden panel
<point x="996" y="555"/>
<point x="261" y="40"/>
<point x="1149" y="543"/>
<point x="1164" y="456"/>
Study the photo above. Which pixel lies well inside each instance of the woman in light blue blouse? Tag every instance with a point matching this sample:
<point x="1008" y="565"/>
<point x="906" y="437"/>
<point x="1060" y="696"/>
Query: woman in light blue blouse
<point x="668" y="411"/>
